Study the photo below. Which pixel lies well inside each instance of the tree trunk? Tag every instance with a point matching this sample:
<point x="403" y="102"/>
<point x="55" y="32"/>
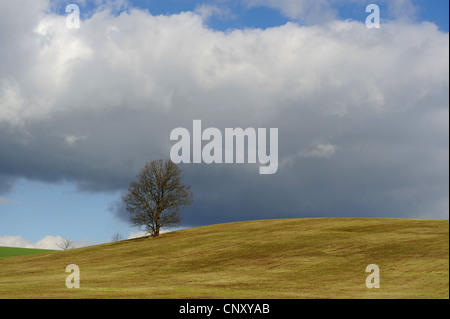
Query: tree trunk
<point x="158" y="225"/>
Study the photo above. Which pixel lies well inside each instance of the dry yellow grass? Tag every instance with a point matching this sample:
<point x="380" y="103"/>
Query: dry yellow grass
<point x="283" y="258"/>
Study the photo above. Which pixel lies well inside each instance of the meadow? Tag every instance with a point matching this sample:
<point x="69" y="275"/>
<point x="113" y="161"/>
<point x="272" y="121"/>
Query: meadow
<point x="16" y="251"/>
<point x="279" y="258"/>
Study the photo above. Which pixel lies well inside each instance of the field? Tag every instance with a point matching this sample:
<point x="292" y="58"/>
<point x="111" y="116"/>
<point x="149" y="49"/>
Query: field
<point x="14" y="251"/>
<point x="282" y="258"/>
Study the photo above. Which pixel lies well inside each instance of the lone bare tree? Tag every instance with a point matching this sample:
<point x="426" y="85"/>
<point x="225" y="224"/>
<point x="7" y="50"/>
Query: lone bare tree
<point x="156" y="197"/>
<point x="65" y="244"/>
<point x="116" y="237"/>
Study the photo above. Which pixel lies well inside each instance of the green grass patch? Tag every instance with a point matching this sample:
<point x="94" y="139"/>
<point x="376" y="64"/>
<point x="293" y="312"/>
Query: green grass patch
<point x="15" y="251"/>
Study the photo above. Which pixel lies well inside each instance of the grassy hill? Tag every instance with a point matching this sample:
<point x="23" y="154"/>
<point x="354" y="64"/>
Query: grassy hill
<point x="283" y="258"/>
<point x="15" y="251"/>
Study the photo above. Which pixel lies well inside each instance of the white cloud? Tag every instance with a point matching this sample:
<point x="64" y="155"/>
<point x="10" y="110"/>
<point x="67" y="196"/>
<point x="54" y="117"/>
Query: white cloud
<point x="141" y="233"/>
<point x="138" y="234"/>
<point x="380" y="96"/>
<point x="320" y="150"/>
<point x="310" y="11"/>
<point x="206" y="11"/>
<point x="71" y="140"/>
<point x="47" y="242"/>
<point x="173" y="64"/>
<point x="11" y="96"/>
<point x="323" y="11"/>
<point x="403" y="10"/>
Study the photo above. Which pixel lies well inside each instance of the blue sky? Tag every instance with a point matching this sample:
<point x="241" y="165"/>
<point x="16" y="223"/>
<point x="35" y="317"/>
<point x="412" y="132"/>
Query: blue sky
<point x="56" y="209"/>
<point x="257" y="14"/>
<point x="62" y="162"/>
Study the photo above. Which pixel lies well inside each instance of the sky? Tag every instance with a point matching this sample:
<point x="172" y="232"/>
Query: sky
<point x="362" y="113"/>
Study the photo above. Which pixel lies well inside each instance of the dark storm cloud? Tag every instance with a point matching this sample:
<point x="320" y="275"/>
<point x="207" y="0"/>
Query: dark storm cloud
<point x="362" y="116"/>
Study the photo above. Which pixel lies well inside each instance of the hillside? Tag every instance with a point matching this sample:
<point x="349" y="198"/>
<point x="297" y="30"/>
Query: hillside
<point x="283" y="258"/>
<point x="15" y="251"/>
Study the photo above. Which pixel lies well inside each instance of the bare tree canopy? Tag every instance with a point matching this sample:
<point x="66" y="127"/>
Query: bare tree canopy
<point x="116" y="237"/>
<point x="156" y="197"/>
<point x="65" y="244"/>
